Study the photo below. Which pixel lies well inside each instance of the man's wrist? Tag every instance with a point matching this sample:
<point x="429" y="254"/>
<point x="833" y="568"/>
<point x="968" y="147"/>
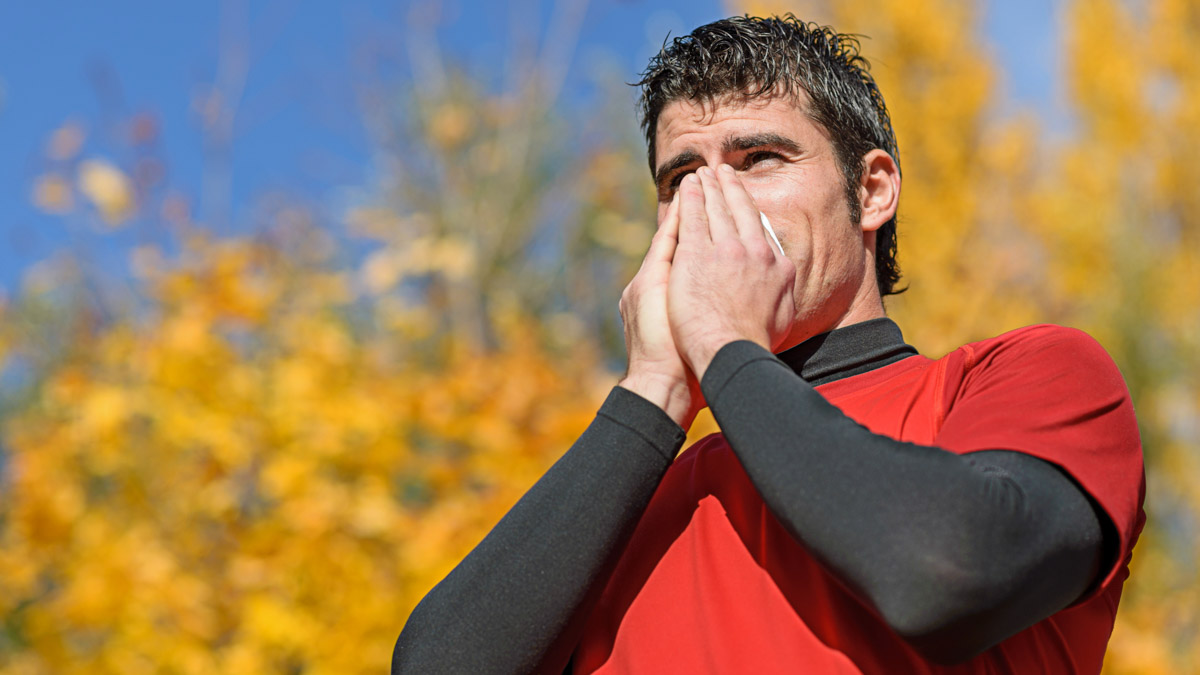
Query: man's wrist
<point x="671" y="394"/>
<point x="701" y="356"/>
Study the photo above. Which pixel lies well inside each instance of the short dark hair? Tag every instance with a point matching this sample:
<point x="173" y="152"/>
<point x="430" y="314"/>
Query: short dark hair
<point x="748" y="57"/>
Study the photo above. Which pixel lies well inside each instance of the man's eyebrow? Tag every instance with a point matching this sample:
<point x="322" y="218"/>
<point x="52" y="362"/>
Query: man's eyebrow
<point x="677" y="162"/>
<point x="741" y="143"/>
<point x="731" y="144"/>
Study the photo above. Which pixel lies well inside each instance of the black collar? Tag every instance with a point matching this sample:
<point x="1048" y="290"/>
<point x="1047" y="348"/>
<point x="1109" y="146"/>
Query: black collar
<point x="851" y="350"/>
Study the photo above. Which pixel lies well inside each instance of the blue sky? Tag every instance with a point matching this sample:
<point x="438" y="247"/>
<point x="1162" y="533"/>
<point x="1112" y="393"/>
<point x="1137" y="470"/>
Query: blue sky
<point x="299" y="128"/>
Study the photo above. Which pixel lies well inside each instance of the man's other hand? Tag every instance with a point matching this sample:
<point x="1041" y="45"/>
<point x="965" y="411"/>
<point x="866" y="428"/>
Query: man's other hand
<point x="728" y="282"/>
<point x="656" y="371"/>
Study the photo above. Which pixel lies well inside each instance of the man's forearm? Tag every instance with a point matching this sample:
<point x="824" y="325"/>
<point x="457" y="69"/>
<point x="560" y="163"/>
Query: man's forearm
<point x="956" y="552"/>
<point x="514" y="602"/>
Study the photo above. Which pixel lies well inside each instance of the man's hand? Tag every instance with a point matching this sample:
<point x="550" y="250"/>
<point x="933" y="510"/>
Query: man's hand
<point x="656" y="371"/>
<point x="727" y="281"/>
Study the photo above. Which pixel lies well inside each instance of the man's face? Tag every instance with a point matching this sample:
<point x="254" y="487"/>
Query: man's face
<point x="787" y="164"/>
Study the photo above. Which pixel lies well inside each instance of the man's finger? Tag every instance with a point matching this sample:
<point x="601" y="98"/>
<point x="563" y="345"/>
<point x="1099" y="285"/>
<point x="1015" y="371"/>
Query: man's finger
<point x="662" y="245"/>
<point x="693" y="221"/>
<point x="671" y="217"/>
<point x="721" y="224"/>
<point x="740" y="204"/>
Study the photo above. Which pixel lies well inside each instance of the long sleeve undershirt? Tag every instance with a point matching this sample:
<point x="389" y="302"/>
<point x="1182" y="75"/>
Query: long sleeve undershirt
<point x="956" y="552"/>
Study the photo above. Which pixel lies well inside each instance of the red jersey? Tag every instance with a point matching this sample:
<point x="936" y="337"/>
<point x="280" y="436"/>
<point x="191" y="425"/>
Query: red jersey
<point x="711" y="582"/>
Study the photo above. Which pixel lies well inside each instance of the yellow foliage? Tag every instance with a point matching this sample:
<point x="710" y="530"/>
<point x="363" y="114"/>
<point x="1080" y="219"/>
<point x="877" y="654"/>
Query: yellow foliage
<point x="178" y="503"/>
<point x="265" y="466"/>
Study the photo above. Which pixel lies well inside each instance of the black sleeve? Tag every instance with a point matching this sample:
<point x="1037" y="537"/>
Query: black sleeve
<point x="515" y="604"/>
<point x="955" y="552"/>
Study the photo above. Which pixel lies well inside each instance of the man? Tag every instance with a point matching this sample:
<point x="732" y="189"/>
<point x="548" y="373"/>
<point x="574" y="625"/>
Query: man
<point x="865" y="509"/>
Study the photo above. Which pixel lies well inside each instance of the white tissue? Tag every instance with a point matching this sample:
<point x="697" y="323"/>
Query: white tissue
<point x="771" y="231"/>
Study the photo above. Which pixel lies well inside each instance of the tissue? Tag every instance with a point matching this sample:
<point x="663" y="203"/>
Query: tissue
<point x="771" y="231"/>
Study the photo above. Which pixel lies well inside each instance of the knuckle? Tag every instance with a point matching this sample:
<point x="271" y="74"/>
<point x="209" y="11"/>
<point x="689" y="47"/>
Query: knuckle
<point x="732" y="250"/>
<point x="787" y="270"/>
<point x="760" y="250"/>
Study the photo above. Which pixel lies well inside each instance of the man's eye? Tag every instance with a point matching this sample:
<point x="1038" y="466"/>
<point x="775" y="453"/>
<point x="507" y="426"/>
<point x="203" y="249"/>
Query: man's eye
<point x="756" y="157"/>
<point x="678" y="178"/>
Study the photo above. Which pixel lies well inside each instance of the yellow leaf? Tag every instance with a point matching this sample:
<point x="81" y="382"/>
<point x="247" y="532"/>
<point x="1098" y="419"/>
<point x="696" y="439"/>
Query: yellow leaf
<point x="52" y="194"/>
<point x="103" y="410"/>
<point x="380" y="271"/>
<point x="455" y="257"/>
<point x="373" y="222"/>
<point x="450" y="126"/>
<point x="65" y="142"/>
<point x="108" y="189"/>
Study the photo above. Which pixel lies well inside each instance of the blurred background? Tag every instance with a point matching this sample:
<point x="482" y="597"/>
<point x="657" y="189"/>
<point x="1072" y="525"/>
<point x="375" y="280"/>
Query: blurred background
<point x="297" y="298"/>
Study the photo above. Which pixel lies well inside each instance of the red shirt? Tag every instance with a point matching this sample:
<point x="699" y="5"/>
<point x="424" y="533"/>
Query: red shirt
<point x="712" y="583"/>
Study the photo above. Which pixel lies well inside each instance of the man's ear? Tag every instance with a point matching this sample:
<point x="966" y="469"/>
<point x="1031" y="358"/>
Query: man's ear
<point x="878" y="189"/>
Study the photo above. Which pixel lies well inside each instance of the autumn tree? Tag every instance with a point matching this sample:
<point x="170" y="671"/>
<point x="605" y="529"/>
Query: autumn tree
<point x="256" y="452"/>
